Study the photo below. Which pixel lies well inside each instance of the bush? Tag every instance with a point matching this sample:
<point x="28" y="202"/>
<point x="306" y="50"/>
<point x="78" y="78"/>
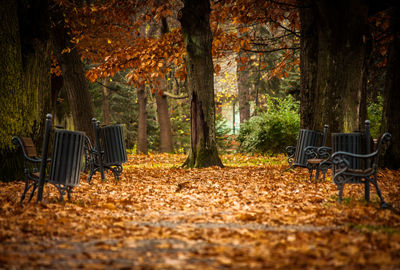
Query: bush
<point x="224" y="140"/>
<point x="375" y="116"/>
<point x="273" y="130"/>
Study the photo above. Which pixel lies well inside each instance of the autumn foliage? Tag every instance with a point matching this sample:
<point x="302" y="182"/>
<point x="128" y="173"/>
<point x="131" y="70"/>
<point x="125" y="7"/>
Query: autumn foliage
<point x="250" y="214"/>
<point x="125" y="35"/>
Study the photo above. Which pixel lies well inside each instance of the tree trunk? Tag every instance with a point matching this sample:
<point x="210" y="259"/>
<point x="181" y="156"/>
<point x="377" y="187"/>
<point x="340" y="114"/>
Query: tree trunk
<point x="308" y="64"/>
<point x="341" y="54"/>
<point x="166" y="144"/>
<point x="142" y="121"/>
<point x="391" y="109"/>
<point x="106" y="102"/>
<point x="75" y="82"/>
<point x="243" y="91"/>
<point x="200" y="82"/>
<point x="24" y="77"/>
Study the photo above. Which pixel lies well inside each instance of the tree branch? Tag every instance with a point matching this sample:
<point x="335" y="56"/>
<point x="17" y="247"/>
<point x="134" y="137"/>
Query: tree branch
<point x="273" y="50"/>
<point x="165" y="93"/>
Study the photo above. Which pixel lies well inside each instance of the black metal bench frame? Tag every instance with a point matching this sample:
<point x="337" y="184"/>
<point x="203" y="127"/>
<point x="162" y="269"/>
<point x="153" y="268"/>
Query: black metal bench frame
<point x="31" y="165"/>
<point x="95" y="156"/>
<point x="35" y="177"/>
<point x="318" y="159"/>
<point x="308" y="142"/>
<point x="345" y="174"/>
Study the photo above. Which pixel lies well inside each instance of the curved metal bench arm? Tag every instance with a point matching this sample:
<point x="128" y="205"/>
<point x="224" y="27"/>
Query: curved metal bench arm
<point x="17" y="141"/>
<point x="339" y="157"/>
<point x="30" y="169"/>
<point x="318" y="158"/>
<point x="290" y="151"/>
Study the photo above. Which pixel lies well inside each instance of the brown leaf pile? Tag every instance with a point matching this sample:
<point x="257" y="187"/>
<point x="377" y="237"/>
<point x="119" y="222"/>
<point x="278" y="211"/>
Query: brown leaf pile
<point x="249" y="215"/>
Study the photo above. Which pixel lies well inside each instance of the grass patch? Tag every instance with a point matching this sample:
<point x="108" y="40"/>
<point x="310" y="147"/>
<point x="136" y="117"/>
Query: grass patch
<point x="367" y="228"/>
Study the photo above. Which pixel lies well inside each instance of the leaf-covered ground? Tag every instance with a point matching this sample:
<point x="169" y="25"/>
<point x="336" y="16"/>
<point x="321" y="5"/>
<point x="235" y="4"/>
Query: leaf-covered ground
<point x="249" y="215"/>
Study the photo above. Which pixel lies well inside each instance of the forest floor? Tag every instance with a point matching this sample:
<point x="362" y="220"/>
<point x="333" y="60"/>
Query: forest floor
<point x="249" y="215"/>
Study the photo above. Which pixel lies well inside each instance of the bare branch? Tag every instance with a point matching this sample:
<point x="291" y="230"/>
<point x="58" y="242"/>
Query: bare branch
<point x="165" y="93"/>
<point x="273" y="50"/>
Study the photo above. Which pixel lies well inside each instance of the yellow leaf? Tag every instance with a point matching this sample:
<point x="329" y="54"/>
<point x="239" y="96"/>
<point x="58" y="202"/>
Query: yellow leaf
<point x="109" y="206"/>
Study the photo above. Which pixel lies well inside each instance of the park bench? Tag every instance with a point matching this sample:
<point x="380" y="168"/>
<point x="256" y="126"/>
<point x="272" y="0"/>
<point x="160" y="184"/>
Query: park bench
<point x="307" y="139"/>
<point x="64" y="164"/>
<point x="108" y="153"/>
<point x="355" y="160"/>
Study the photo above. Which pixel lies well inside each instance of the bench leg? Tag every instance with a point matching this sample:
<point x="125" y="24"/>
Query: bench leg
<point x="33" y="192"/>
<point x="317" y="173"/>
<point x="384" y="205"/>
<point x="69" y="191"/>
<point x="323" y="175"/>
<point x="27" y="187"/>
<point x="324" y="170"/>
<point x="310" y="171"/>
<point x="340" y="188"/>
<point x="92" y="172"/>
<point x="367" y="190"/>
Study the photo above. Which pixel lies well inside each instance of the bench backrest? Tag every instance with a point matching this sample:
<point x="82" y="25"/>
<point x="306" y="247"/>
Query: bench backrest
<point x="356" y="143"/>
<point x="308" y="138"/>
<point x="29" y="147"/>
<point x="113" y="145"/>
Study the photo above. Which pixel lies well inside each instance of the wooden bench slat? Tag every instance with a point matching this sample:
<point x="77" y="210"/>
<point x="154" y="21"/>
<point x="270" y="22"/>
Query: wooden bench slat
<point x="315" y="160"/>
<point x="29" y="147"/>
<point x="27" y="141"/>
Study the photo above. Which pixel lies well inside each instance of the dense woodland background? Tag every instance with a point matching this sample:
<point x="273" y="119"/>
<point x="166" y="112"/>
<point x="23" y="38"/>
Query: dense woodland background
<point x="167" y="71"/>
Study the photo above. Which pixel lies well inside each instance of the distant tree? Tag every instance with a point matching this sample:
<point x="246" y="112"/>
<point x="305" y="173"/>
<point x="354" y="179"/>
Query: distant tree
<point x="142" y="145"/>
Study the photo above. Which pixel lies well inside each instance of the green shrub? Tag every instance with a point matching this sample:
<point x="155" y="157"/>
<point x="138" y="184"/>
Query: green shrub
<point x="222" y="134"/>
<point x="375" y="116"/>
<point x="271" y="131"/>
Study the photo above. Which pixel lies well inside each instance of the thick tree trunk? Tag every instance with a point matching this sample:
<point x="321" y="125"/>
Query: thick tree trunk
<point x="24" y="77"/>
<point x="391" y="113"/>
<point x="243" y="91"/>
<point x="142" y="121"/>
<point x="106" y="102"/>
<point x="308" y="64"/>
<point x="200" y="83"/>
<point x="341" y="54"/>
<point x="166" y="144"/>
<point x="75" y="82"/>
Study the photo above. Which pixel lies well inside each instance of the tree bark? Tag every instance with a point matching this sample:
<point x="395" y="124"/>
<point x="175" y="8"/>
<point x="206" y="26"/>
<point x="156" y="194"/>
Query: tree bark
<point x="24" y="77"/>
<point x="308" y="63"/>
<point x="142" y="121"/>
<point x="197" y="35"/>
<point x="75" y="82"/>
<point x="242" y="74"/>
<point x="391" y="109"/>
<point x="166" y="144"/>
<point x="341" y="54"/>
<point x="106" y="102"/>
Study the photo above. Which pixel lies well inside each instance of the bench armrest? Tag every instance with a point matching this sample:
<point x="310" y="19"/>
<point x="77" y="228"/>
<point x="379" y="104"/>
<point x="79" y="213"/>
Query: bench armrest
<point x="322" y="152"/>
<point x="290" y="150"/>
